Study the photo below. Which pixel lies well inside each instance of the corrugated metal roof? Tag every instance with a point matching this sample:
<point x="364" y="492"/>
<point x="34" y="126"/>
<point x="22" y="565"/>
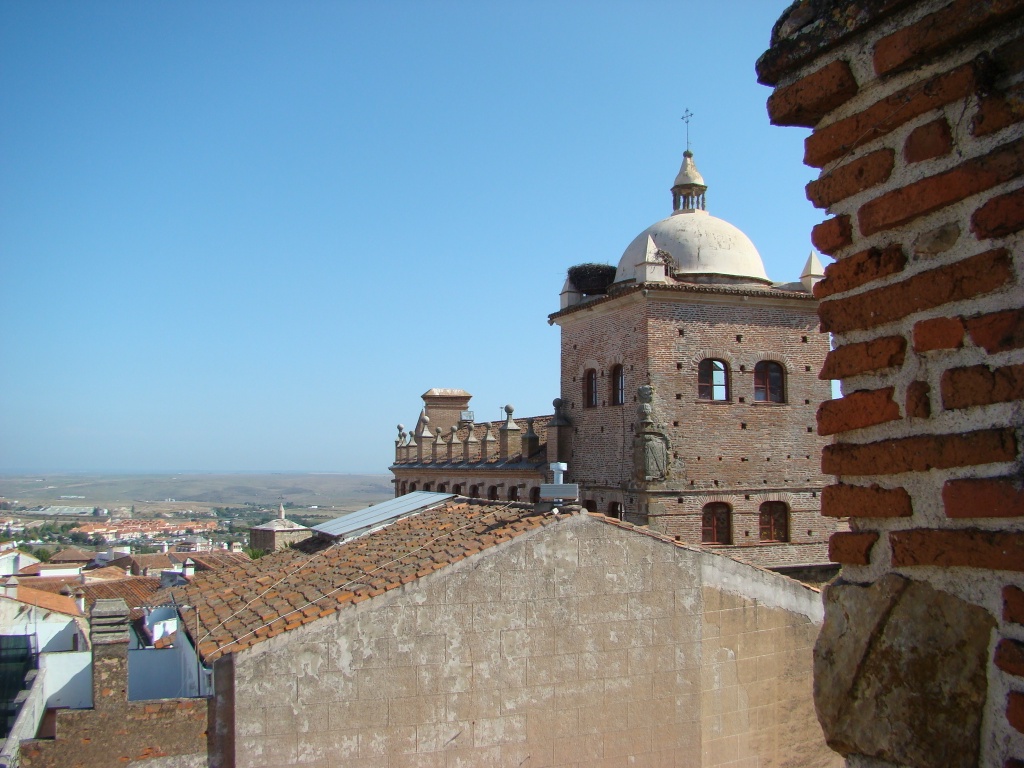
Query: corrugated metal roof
<point x="379" y="514"/>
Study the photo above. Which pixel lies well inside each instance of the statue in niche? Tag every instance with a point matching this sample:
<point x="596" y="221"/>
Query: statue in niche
<point x="651" y="445"/>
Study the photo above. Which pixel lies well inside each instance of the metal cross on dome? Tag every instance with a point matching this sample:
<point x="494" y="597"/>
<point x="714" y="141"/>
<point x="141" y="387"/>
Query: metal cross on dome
<point x="687" y="114"/>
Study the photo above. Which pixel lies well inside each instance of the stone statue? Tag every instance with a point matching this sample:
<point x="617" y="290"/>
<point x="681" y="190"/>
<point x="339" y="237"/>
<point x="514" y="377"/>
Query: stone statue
<point x="651" y="444"/>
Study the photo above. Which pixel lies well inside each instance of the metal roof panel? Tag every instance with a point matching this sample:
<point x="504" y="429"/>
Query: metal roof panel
<point x="381" y="514"/>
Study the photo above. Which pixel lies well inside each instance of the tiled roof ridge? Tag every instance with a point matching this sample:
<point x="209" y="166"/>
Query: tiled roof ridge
<point x="274" y="621"/>
<point x="645" y="531"/>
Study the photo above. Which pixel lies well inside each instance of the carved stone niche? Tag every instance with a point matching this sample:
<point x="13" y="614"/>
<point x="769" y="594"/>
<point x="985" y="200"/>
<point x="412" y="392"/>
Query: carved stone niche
<point x="900" y="673"/>
<point x="651" y="446"/>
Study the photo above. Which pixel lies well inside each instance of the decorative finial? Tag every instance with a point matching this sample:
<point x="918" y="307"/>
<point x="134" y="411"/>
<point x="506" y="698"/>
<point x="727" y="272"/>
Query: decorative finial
<point x="687" y="114"/>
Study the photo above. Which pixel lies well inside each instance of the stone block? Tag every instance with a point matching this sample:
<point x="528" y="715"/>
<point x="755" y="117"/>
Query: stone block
<point x="900" y="673"/>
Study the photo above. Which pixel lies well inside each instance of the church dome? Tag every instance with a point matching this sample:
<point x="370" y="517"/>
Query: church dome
<point x="693" y="241"/>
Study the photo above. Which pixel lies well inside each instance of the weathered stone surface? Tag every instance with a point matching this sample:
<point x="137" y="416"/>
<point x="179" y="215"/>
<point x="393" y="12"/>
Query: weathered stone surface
<point x="899" y="673"/>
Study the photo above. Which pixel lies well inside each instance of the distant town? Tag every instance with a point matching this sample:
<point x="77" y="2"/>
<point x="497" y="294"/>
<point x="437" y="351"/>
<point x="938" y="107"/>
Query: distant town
<point x="136" y="513"/>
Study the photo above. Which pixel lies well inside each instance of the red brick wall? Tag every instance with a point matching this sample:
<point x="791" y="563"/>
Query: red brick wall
<point x="916" y="109"/>
<point x="740" y="452"/>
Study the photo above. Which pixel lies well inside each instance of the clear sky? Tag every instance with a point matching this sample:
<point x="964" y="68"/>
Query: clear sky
<point x="247" y="236"/>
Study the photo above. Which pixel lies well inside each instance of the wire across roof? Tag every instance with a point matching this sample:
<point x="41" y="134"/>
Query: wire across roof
<point x="368" y="518"/>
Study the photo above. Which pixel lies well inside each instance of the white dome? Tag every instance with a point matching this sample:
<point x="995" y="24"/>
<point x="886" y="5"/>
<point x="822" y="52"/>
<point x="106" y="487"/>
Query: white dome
<point x="698" y="243"/>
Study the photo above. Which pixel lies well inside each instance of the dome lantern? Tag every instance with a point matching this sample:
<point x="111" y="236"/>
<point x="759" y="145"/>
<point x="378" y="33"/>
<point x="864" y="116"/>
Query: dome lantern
<point x="689" y="187"/>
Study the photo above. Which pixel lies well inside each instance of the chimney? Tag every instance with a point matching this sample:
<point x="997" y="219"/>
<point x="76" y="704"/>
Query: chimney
<point x="559" y="433"/>
<point x="80" y="600"/>
<point x="445" y="407"/>
<point x="11" y="588"/>
<point x="531" y="442"/>
<point x="400" y="443"/>
<point x="188" y="568"/>
<point x="487" y="444"/>
<point x="510" y="442"/>
<point x="108" y="629"/>
<point x="280" y="511"/>
<point x="470" y="445"/>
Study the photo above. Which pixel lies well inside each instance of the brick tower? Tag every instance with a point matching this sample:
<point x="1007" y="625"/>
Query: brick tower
<point x="690" y="381"/>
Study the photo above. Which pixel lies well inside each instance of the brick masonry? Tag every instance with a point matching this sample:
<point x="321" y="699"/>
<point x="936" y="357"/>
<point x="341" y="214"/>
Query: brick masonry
<point x="581" y="643"/>
<point x="158" y="733"/>
<point x="739" y="451"/>
<point x="924" y="304"/>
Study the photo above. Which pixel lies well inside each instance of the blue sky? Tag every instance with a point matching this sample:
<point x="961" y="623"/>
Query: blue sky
<point x="247" y="236"/>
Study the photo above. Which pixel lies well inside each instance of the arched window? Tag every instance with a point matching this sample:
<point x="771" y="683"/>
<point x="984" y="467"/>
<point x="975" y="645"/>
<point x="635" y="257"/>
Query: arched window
<point x="457" y="489"/>
<point x="474" y="492"/>
<point x="713" y="380"/>
<point x="442" y="487"/>
<point x="428" y="486"/>
<point x="534" y="495"/>
<point x="774" y="521"/>
<point x="590" y="505"/>
<point x="412" y="487"/>
<point x="716" y="523"/>
<point x="405" y="488"/>
<point x="769" y="383"/>
<point x="615" y="510"/>
<point x="618" y="385"/>
<point x="590" y="388"/>
<point x="513" y="493"/>
<point x="492" y="493"/>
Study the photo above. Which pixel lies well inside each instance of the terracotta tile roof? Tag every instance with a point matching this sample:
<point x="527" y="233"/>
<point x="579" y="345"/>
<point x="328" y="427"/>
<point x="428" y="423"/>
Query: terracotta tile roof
<point x="72" y="555"/>
<point x="157" y="561"/>
<point x="243" y="605"/>
<point x="110" y="572"/>
<point x="47" y="600"/>
<point x="40" y="569"/>
<point x="120" y="562"/>
<point x="136" y="591"/>
<point x="54" y="584"/>
<point x="211" y="561"/>
<point x="166" y="641"/>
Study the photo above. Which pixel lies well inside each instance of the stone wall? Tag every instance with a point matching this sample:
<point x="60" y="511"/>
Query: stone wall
<point x="580" y="644"/>
<point x="916" y="109"/>
<point x="115" y="731"/>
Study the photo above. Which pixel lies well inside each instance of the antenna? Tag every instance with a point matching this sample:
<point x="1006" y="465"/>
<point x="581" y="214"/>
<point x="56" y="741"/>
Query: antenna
<point x="687" y="114"/>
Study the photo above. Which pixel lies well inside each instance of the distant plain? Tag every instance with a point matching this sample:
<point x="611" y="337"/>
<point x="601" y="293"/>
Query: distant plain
<point x="327" y="491"/>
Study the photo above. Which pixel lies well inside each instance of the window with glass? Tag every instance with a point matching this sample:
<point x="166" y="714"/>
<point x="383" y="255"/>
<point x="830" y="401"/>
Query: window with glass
<point x="713" y="380"/>
<point x="774" y="521"/>
<point x="769" y="383"/>
<point x="618" y="385"/>
<point x="716" y="524"/>
<point x="590" y="388"/>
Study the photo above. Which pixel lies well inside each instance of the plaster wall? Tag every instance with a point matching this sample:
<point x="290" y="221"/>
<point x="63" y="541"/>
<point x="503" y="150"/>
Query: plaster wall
<point x="68" y="679"/>
<point x="53" y="631"/>
<point x="580" y="644"/>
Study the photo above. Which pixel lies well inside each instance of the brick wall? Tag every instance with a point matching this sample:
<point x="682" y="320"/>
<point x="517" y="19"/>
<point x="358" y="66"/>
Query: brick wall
<point x="579" y="644"/>
<point x="740" y="452"/>
<point x="117" y="731"/>
<point x="916" y="109"/>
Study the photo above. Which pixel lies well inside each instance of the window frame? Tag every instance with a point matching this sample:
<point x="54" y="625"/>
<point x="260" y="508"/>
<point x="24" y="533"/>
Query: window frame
<point x="765" y="390"/>
<point x="771" y="512"/>
<point x="706" y="385"/>
<point x="716" y="524"/>
<point x="590" y="388"/>
<point x="618" y="385"/>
